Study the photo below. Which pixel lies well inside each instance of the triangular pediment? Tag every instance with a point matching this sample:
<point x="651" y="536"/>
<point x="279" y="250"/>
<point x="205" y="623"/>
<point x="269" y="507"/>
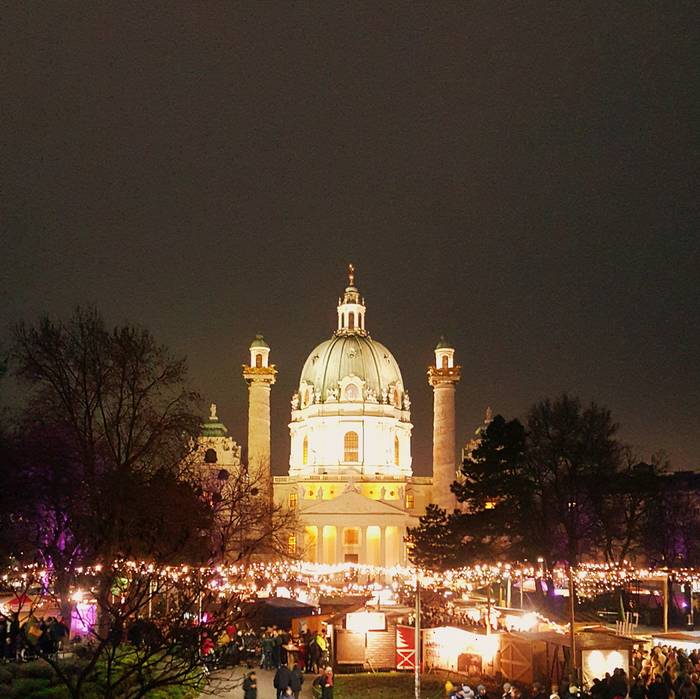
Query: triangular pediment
<point x="351" y="502"/>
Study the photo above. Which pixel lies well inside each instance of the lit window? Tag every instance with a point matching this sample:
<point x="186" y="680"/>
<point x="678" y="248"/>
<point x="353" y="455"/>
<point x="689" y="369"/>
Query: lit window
<point x="489" y="505"/>
<point x="410" y="501"/>
<point x="351" y="536"/>
<point x="258" y="360"/>
<point x="292" y="501"/>
<point x="445" y="362"/>
<point x="305" y="451"/>
<point x="397" y="450"/>
<point x="351" y="444"/>
<point x="292" y="544"/>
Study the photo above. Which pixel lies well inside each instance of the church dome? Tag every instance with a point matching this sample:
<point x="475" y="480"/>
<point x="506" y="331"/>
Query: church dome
<point x="351" y="355"/>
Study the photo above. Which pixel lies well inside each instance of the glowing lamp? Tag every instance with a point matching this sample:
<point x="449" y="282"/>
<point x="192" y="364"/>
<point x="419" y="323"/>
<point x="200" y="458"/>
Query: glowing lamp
<point x="362" y="622"/>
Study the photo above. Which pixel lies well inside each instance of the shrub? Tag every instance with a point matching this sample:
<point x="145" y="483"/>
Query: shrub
<point x="37" y="669"/>
<point x="27" y="687"/>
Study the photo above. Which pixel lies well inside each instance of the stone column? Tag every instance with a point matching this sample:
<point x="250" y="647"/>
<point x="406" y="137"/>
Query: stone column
<point x="339" y="544"/>
<point x="363" y="545"/>
<point x="382" y="546"/>
<point x="319" y="544"/>
<point x="443" y="380"/>
<point x="259" y="380"/>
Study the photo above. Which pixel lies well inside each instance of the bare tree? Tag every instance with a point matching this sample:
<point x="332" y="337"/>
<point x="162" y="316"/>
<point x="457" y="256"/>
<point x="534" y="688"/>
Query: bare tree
<point x="158" y="620"/>
<point x="247" y="522"/>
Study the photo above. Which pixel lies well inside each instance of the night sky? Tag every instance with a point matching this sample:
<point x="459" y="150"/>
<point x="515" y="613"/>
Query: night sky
<point x="522" y="177"/>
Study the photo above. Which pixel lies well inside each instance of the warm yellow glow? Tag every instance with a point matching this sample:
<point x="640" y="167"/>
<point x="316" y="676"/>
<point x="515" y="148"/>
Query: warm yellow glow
<point x="305" y="451"/>
<point x="397" y="451"/>
<point x="393" y="546"/>
<point x="374" y="545"/>
<point x="444" y="645"/>
<point x="362" y="622"/>
<point x="329" y="539"/>
<point x="351" y="536"/>
<point x="597" y="662"/>
<point x="351" y="447"/>
<point x="311" y="539"/>
<point x="524" y="622"/>
<point x="410" y="501"/>
<point x="292" y="544"/>
<point x="292" y="501"/>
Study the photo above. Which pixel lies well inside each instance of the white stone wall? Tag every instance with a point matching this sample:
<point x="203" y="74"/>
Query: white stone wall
<point x="325" y="433"/>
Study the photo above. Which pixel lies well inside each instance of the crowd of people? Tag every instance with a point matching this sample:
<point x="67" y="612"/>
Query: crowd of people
<point x="270" y="649"/>
<point x="663" y="672"/>
<point x="30" y="638"/>
<point x="290" y="656"/>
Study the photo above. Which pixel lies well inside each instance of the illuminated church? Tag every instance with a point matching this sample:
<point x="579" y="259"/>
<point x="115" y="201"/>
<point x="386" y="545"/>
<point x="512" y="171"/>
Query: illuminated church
<point x="350" y="466"/>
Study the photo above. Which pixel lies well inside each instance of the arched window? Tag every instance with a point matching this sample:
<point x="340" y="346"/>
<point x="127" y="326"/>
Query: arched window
<point x="397" y="450"/>
<point x="258" y="360"/>
<point x="305" y="451"/>
<point x="351" y="321"/>
<point x="210" y="456"/>
<point x="445" y="362"/>
<point x="351" y="392"/>
<point x="351" y="447"/>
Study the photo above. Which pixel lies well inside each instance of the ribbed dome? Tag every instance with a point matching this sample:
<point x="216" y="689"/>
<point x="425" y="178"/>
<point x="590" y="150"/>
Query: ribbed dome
<point x="352" y="354"/>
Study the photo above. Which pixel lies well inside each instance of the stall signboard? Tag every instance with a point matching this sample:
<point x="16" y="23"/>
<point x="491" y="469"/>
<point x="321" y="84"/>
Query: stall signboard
<point x="362" y="622"/>
<point x="405" y="647"/>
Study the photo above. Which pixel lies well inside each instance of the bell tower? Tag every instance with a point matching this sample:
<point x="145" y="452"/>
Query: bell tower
<point x="443" y="377"/>
<point x="260" y="376"/>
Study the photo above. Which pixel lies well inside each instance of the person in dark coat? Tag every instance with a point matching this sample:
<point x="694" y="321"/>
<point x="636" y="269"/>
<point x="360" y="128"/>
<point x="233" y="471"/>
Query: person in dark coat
<point x="283" y="679"/>
<point x="657" y="689"/>
<point x="250" y="686"/>
<point x="298" y="680"/>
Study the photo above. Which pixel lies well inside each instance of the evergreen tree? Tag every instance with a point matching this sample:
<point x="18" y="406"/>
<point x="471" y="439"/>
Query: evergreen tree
<point x="432" y="542"/>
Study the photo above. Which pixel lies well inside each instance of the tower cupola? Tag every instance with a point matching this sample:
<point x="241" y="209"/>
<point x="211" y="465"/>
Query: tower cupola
<point x="259" y="352"/>
<point x="351" y="308"/>
<point x="444" y="354"/>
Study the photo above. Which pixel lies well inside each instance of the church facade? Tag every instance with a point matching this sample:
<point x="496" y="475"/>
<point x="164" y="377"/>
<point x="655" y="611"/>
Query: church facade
<point x="350" y="476"/>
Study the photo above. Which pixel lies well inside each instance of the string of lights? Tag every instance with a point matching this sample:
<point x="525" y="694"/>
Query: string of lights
<point x="263" y="579"/>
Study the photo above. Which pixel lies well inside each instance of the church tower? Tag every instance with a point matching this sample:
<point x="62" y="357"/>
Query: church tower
<point x="259" y="375"/>
<point x="443" y="377"/>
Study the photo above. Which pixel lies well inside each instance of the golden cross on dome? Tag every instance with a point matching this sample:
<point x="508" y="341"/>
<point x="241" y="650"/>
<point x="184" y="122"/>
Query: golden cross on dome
<point x="351" y="274"/>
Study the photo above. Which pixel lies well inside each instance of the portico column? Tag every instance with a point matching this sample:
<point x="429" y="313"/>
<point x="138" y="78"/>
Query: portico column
<point x="382" y="546"/>
<point x="363" y="546"/>
<point x="319" y="544"/>
<point x="339" y="544"/>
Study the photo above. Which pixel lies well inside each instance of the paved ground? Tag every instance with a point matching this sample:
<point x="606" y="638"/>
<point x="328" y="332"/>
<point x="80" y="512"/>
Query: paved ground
<point x="222" y="681"/>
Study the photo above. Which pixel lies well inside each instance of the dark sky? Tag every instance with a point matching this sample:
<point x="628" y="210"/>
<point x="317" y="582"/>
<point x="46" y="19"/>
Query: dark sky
<point x="522" y="177"/>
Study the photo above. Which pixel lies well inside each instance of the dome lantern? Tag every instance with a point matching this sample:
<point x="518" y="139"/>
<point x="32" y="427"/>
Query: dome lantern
<point x="351" y="308"/>
<point x="259" y="352"/>
<point x="444" y="354"/>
